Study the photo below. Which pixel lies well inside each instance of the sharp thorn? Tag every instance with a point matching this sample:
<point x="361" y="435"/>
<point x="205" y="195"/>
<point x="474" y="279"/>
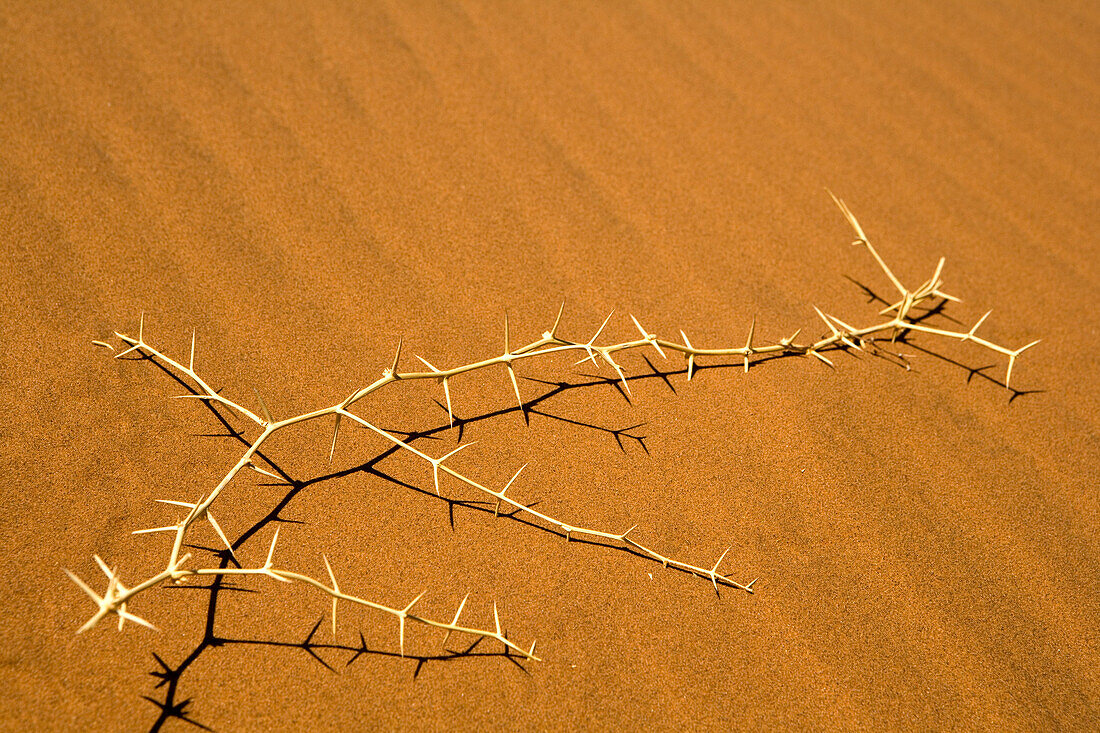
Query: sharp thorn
<point x="257" y="469"/>
<point x="554" y="329"/>
<point x="979" y="323"/>
<point x="335" y="433"/>
<point x="214" y="524"/>
<point x="447" y="394"/>
<point x="514" y="477"/>
<point x="271" y="550"/>
<point x="413" y="602"/>
<point x="600" y="329"/>
<point x="135" y="619"/>
<point x="156" y="529"/>
<point x="515" y="386"/>
<point x="426" y="363"/>
<point x="456" y="450"/>
<point x="401" y="634"/>
<point x="331" y="576"/>
<point x="263" y="406"/>
<point x="459" y="611"/>
<point x="455" y="621"/>
<point x="135" y="347"/>
<point x="335" y="589"/>
<point x="82" y="585"/>
<point x="397" y="356"/>
<point x="723" y="557"/>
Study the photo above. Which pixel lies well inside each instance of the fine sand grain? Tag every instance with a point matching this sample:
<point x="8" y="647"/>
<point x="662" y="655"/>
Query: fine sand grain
<point x="304" y="183"/>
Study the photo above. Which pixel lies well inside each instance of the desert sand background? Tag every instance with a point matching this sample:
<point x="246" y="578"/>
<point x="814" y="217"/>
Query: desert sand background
<point x="304" y="183"/>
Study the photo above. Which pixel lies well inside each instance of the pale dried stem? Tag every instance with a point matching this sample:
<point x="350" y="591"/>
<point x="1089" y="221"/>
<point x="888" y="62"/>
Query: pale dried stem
<point x="841" y="336"/>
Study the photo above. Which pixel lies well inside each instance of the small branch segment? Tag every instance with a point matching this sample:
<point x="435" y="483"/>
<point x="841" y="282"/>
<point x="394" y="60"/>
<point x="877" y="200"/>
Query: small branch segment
<point x="117" y="595"/>
<point x="840" y="336"/>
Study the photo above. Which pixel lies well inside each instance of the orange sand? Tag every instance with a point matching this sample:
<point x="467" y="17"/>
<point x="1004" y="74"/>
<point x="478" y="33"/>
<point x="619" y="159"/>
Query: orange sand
<point x="303" y="186"/>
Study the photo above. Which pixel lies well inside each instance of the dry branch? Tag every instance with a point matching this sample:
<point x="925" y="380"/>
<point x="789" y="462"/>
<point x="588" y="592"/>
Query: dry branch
<point x="841" y="336"/>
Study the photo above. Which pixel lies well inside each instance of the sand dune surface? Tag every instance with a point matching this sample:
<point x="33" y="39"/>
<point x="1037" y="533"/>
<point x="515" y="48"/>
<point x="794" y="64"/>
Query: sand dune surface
<point x="303" y="184"/>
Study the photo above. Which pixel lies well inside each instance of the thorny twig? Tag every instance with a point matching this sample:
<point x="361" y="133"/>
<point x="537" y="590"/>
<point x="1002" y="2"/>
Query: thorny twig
<point x="841" y="336"/>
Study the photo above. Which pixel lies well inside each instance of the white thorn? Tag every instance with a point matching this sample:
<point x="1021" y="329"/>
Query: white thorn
<point x="263" y="406"/>
<point x="335" y="589"/>
<point x="600" y="329"/>
<point x="335" y="433"/>
<point x="214" y="524"/>
<point x="271" y="550"/>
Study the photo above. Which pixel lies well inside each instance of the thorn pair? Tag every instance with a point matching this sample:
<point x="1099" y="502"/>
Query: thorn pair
<point x="446" y="390"/>
<point x="195" y="514"/>
<point x="437" y="462"/>
<point x="690" y="356"/>
<point x="404" y="614"/>
<point x="605" y="352"/>
<point x="1012" y="361"/>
